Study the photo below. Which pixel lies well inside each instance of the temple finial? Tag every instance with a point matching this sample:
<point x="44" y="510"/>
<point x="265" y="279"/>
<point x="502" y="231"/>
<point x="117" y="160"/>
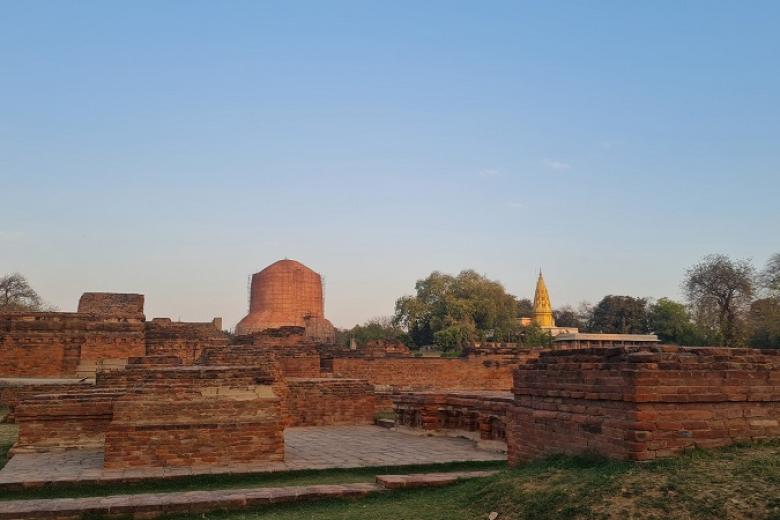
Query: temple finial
<point x="543" y="315"/>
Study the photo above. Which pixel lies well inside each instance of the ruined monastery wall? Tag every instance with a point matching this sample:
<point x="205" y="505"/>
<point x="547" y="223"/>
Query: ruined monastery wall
<point x="641" y="403"/>
<point x="471" y="373"/>
<point x="329" y="402"/>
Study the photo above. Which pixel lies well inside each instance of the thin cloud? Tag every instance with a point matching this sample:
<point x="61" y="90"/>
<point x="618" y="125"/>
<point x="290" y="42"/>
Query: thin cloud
<point x="489" y="173"/>
<point x="556" y="165"/>
<point x="516" y="205"/>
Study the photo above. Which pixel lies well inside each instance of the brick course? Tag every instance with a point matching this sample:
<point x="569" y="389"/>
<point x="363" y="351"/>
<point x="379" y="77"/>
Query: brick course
<point x="220" y="425"/>
<point x="469" y="373"/>
<point x="641" y="403"/>
<point x="329" y="402"/>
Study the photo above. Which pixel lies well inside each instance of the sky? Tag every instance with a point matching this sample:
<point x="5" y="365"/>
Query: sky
<point x="174" y="148"/>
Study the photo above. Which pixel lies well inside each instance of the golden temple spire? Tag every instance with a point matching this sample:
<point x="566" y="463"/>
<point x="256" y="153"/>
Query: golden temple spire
<point x="543" y="315"/>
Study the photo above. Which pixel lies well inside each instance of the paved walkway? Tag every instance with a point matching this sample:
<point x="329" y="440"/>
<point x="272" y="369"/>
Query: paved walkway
<point x="318" y="447"/>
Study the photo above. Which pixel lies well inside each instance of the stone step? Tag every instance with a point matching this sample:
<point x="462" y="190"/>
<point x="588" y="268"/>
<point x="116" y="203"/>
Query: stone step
<point x="152" y="505"/>
<point x="428" y="479"/>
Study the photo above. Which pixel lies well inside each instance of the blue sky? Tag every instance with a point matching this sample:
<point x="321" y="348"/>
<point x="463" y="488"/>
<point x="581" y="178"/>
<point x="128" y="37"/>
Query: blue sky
<point x="172" y="148"/>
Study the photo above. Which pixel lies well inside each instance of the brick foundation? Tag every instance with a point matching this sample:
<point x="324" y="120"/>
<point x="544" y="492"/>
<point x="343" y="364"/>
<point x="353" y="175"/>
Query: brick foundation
<point x="52" y="422"/>
<point x="14" y="390"/>
<point x="329" y="402"/>
<point x="641" y="403"/>
<point x="482" y="414"/>
<point x="469" y="373"/>
<point x="219" y="425"/>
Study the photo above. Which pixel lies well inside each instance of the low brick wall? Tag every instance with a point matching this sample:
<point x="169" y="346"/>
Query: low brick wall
<point x="480" y="413"/>
<point x="52" y="422"/>
<point x="641" y="403"/>
<point x="14" y="390"/>
<point x="329" y="402"/>
<point x="467" y="373"/>
<point x="54" y="344"/>
<point x="294" y="361"/>
<point x="185" y="340"/>
<point x="217" y="426"/>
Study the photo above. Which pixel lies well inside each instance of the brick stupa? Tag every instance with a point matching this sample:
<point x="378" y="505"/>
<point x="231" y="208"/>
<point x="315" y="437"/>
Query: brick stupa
<point x="287" y="294"/>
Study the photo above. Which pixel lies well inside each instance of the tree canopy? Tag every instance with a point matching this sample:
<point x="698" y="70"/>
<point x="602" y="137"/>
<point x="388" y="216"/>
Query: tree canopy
<point x="620" y="315"/>
<point x="450" y="310"/>
<point x="671" y="321"/>
<point x="381" y="328"/>
<point x="17" y="295"/>
<point x="720" y="291"/>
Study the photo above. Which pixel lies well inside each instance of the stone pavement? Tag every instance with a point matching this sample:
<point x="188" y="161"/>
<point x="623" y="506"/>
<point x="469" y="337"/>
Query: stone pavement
<point x="317" y="447"/>
<point x="151" y="505"/>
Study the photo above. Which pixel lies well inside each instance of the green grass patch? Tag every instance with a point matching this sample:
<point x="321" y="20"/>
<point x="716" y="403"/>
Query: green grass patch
<point x="208" y="482"/>
<point x="8" y="433"/>
<point x="734" y="482"/>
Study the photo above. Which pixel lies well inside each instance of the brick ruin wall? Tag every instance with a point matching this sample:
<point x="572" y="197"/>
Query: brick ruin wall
<point x="487" y="372"/>
<point x="330" y="402"/>
<point x="62" y="421"/>
<point x="294" y="361"/>
<point x="140" y="405"/>
<point x="641" y="403"/>
<point x="480" y="414"/>
<point x="185" y="340"/>
<point x="55" y="344"/>
<point x="61" y="344"/>
<point x="13" y="392"/>
<point x="220" y="425"/>
<point x="112" y="304"/>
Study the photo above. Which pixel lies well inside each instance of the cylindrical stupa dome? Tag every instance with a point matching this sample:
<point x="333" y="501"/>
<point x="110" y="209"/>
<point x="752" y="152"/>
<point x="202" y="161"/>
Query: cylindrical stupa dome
<point x="285" y="294"/>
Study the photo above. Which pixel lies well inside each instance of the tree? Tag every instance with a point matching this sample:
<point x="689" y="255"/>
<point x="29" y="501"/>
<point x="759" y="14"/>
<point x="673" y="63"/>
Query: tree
<point x="764" y="323"/>
<point x="525" y="308"/>
<point x="720" y="290"/>
<point x="770" y="276"/>
<point x="671" y="321"/>
<point x="567" y="317"/>
<point x="620" y="315"/>
<point x="381" y="328"/>
<point x="449" y="311"/>
<point x="17" y="295"/>
<point x="534" y="336"/>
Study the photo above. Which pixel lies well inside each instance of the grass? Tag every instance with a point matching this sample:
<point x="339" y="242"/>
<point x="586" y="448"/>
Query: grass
<point x="736" y="482"/>
<point x="208" y="482"/>
<point x="7" y="436"/>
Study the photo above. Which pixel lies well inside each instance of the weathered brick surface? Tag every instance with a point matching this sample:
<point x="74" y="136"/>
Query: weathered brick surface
<point x="53" y="344"/>
<point x="112" y="304"/>
<point x="218" y="425"/>
<point x="63" y="421"/>
<point x="294" y="361"/>
<point x="469" y="373"/>
<point x="483" y="413"/>
<point x="641" y="403"/>
<point x="13" y="391"/>
<point x="323" y="402"/>
<point x="185" y="340"/>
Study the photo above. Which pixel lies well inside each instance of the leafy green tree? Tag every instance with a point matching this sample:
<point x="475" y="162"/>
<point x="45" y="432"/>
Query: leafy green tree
<point x="525" y="308"/>
<point x="620" y="315"/>
<point x="567" y="317"/>
<point x="449" y="311"/>
<point x="17" y="295"/>
<point x="720" y="291"/>
<point x="671" y="321"/>
<point x="534" y="336"/>
<point x="381" y="328"/>
<point x="764" y="323"/>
